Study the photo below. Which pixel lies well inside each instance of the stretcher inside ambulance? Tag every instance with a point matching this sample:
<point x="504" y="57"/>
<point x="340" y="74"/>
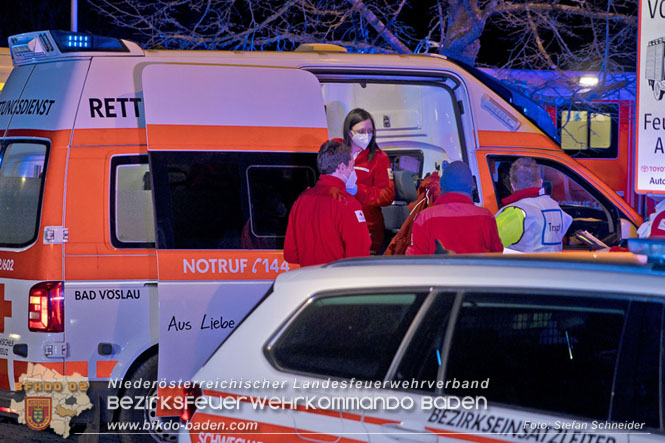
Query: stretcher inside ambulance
<point x="145" y="194"/>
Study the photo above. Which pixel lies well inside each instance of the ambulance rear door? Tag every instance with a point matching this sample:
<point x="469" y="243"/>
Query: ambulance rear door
<point x="230" y="149"/>
<point x="37" y="110"/>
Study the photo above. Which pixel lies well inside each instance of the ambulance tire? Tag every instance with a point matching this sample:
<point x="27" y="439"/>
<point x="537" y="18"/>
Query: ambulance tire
<point x="146" y="371"/>
<point x="658" y="91"/>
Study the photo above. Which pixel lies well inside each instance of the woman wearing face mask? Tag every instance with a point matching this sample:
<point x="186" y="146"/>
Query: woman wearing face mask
<point x="375" y="186"/>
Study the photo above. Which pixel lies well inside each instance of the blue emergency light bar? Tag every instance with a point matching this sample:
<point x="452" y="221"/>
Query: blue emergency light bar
<point x="653" y="248"/>
<point x="33" y="46"/>
<point x="77" y="42"/>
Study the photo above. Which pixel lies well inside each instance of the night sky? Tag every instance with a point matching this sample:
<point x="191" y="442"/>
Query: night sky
<point x="17" y="16"/>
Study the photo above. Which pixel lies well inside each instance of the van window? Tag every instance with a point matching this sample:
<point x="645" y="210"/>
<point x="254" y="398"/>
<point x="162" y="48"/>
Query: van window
<point x="347" y="335"/>
<point x="589" y="209"/>
<point x="590" y="133"/>
<point x="637" y="390"/>
<point x="22" y="173"/>
<point x="227" y="200"/>
<point x="543" y="352"/>
<point x="271" y="189"/>
<point x="132" y="215"/>
<point x="423" y="359"/>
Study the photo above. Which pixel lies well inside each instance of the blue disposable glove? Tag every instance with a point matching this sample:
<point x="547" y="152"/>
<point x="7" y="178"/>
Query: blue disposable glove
<point x="353" y="190"/>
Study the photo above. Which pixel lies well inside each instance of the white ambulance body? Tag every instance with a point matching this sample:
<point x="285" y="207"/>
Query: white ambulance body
<point x="109" y="150"/>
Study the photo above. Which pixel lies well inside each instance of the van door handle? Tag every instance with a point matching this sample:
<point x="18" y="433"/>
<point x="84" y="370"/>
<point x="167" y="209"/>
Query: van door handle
<point x="404" y="434"/>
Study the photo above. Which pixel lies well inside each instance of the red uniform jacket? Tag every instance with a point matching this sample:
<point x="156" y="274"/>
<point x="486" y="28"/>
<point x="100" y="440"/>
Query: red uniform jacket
<point x="658" y="225"/>
<point x="458" y="224"/>
<point x="325" y="224"/>
<point x="375" y="189"/>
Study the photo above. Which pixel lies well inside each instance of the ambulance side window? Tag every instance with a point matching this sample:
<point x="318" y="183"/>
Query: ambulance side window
<point x="590" y="210"/>
<point x="272" y="192"/>
<point x="227" y="200"/>
<point x="22" y="173"/>
<point x="349" y="336"/>
<point x="550" y="353"/>
<point x="132" y="215"/>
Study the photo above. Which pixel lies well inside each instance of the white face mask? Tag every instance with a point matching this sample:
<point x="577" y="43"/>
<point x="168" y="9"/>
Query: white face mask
<point x="351" y="179"/>
<point x="361" y="140"/>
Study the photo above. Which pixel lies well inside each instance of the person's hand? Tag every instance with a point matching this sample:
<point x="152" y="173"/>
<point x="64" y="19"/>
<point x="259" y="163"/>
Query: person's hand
<point x="352" y="190"/>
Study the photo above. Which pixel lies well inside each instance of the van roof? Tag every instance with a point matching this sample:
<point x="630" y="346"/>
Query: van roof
<point x="46" y="46"/>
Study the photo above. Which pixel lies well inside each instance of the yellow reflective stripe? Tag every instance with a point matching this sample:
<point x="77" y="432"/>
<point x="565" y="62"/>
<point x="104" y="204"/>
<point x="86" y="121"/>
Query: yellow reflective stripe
<point x="510" y="223"/>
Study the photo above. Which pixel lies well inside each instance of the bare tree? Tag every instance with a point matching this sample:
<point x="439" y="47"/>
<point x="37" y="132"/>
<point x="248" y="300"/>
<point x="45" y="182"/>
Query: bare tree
<point x="558" y="35"/>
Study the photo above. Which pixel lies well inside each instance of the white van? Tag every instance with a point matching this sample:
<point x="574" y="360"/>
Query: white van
<point x="555" y="348"/>
<point x="144" y="195"/>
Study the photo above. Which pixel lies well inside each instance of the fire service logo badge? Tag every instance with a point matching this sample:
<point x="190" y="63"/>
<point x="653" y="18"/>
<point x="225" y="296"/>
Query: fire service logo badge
<point x="38" y="412"/>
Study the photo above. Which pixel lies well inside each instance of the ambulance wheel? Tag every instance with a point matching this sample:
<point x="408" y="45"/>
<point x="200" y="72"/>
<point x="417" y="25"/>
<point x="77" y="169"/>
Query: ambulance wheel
<point x="159" y="428"/>
<point x="657" y="91"/>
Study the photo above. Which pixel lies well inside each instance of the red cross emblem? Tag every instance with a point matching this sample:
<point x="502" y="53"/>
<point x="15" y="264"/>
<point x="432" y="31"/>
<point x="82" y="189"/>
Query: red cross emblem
<point x="5" y="308"/>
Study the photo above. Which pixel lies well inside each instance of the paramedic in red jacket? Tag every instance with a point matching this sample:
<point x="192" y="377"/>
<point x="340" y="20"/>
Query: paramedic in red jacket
<point x="454" y="220"/>
<point x="375" y="177"/>
<point x="326" y="223"/>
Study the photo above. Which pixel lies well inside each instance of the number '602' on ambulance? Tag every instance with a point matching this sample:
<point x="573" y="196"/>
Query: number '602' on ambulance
<point x="144" y="195"/>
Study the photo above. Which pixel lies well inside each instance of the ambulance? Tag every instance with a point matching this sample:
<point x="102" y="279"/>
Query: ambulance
<point x="144" y="195"/>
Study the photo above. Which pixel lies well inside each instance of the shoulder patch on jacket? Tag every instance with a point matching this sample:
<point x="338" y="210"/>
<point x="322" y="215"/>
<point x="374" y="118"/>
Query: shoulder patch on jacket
<point x="360" y="215"/>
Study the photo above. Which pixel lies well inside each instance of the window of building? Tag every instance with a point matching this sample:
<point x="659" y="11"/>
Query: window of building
<point x="548" y="353"/>
<point x="22" y="173"/>
<point x="590" y="133"/>
<point x="132" y="215"/>
<point x="347" y="335"/>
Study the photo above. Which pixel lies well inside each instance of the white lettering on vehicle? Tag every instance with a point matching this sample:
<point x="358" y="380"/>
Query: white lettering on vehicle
<point x="6" y="265"/>
<point x="233" y="266"/>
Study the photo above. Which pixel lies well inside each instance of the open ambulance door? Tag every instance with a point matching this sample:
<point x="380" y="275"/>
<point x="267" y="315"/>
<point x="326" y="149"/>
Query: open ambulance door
<point x="211" y="130"/>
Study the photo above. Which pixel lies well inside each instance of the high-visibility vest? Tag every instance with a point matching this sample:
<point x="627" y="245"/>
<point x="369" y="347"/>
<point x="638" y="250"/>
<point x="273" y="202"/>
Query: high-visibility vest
<point x="534" y="224"/>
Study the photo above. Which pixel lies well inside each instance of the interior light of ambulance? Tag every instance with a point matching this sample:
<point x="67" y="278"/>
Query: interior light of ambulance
<point x="46" y="307"/>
